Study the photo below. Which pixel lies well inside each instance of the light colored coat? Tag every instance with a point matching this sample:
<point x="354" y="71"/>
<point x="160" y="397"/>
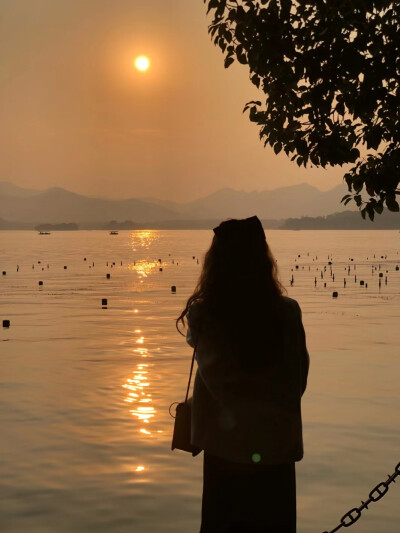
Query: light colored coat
<point x="250" y="417"/>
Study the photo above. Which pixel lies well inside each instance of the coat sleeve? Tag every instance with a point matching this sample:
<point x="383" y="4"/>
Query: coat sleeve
<point x="211" y="369"/>
<point x="191" y="332"/>
<point x="304" y="356"/>
<point x="207" y="367"/>
<point x="189" y="337"/>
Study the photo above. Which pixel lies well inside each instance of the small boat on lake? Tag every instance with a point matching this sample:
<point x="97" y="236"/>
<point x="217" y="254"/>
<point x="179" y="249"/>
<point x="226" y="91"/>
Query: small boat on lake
<point x="44" y="233"/>
<point x="113" y="232"/>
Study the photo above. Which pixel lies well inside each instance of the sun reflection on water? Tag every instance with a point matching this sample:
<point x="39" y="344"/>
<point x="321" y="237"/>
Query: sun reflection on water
<point x="143" y="238"/>
<point x="141" y="351"/>
<point x="143" y="267"/>
<point x="139" y="240"/>
<point x="138" y="385"/>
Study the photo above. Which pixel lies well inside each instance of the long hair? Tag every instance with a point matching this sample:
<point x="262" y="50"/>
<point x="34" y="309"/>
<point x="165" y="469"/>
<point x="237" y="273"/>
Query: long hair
<point x="238" y="289"/>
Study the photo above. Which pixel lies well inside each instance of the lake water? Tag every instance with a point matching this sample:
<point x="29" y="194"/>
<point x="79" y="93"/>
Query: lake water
<point x="85" y="391"/>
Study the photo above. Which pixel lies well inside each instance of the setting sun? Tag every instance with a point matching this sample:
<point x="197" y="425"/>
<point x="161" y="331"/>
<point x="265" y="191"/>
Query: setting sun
<point x="142" y="63"/>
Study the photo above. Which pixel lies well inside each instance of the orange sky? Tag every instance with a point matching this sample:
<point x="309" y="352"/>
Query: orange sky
<point x="75" y="113"/>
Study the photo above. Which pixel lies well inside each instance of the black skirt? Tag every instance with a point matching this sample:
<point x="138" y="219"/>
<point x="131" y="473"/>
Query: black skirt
<point x="254" y="498"/>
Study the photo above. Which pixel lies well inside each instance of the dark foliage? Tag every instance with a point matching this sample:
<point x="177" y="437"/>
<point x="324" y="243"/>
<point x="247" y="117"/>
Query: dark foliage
<point x="330" y="74"/>
<point x="343" y="221"/>
<point x="71" y="226"/>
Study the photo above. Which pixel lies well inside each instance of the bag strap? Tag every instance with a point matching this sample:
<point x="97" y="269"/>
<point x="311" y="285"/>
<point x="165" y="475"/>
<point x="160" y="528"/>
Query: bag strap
<point x="191" y="367"/>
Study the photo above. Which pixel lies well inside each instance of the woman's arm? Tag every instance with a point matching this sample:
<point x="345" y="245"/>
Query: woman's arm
<point x="189" y="337"/>
<point x="210" y="369"/>
<point x="304" y="355"/>
<point x="193" y="320"/>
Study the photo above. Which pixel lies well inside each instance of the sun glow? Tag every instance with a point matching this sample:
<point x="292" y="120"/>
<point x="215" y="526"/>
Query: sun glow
<point x="142" y="63"/>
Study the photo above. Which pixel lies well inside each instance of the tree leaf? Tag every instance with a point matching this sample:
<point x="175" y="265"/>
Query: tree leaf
<point x="378" y="208"/>
<point x="392" y="205"/>
<point x="228" y="61"/>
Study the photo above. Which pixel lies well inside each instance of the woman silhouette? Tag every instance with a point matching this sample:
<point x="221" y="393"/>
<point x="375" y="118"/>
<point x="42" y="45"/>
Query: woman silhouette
<point x="252" y="371"/>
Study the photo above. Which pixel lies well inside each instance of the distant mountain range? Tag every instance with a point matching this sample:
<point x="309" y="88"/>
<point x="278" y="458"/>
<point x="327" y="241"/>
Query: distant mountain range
<point x="57" y="205"/>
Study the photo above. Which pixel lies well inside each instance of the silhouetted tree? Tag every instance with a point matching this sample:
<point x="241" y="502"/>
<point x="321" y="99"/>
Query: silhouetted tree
<point x="330" y="74"/>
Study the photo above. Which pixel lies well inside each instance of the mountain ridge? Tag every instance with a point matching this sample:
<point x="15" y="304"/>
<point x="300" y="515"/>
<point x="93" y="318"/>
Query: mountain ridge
<point x="57" y="205"/>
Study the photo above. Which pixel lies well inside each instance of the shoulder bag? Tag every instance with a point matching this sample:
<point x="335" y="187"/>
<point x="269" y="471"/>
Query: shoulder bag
<point x="183" y="415"/>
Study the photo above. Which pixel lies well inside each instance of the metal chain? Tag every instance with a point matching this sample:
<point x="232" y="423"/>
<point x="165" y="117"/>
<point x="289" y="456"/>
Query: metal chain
<point x="375" y="495"/>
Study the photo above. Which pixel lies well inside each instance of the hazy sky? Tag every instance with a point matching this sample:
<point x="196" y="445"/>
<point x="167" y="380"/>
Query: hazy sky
<point x="75" y="113"/>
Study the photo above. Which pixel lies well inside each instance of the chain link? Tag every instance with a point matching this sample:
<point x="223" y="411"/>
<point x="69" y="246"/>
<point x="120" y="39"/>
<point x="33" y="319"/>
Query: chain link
<point x="375" y="495"/>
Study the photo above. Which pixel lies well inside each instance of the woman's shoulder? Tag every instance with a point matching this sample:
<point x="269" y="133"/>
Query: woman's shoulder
<point x="291" y="305"/>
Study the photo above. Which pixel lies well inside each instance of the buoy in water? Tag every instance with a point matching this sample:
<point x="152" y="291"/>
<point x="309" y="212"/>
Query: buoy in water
<point x="40" y="283"/>
<point x="104" y="301"/>
<point x="108" y="276"/>
<point x="6" y="323"/>
<point x="173" y="288"/>
<point x="335" y="294"/>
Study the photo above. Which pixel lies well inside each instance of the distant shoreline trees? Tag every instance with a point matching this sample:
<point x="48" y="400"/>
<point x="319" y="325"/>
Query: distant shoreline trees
<point x="346" y="220"/>
<point x="330" y="77"/>
<point x="57" y="227"/>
